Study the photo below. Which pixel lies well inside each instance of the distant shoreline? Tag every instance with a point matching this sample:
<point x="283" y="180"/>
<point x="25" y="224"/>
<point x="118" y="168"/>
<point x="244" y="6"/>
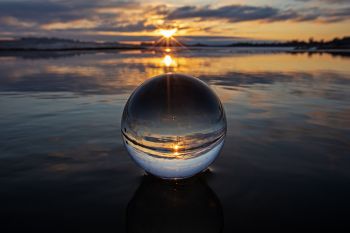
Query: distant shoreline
<point x="55" y="44"/>
<point x="283" y="49"/>
<point x="68" y="49"/>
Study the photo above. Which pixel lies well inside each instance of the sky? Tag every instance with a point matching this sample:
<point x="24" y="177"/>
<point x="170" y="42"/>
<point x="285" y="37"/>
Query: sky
<point x="110" y="20"/>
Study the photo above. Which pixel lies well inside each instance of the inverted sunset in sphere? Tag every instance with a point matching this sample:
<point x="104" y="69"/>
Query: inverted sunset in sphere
<point x="173" y="126"/>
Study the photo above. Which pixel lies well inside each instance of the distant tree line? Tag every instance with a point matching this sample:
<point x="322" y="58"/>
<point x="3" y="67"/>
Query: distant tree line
<point x="336" y="43"/>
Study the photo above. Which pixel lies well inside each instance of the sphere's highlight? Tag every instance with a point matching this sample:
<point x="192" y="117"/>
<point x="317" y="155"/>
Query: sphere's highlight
<point x="173" y="126"/>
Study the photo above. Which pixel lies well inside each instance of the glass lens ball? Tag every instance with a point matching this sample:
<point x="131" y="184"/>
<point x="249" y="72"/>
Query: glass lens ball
<point x="173" y="126"/>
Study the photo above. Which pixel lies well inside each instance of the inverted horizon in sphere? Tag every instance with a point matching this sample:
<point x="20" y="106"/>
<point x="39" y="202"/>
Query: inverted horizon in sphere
<point x="173" y="126"/>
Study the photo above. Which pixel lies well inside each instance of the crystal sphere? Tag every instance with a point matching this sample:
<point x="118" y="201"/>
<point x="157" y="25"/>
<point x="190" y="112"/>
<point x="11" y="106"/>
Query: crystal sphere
<point x="173" y="126"/>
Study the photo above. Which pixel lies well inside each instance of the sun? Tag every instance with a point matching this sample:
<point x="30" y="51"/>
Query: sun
<point x="167" y="39"/>
<point x="168" y="33"/>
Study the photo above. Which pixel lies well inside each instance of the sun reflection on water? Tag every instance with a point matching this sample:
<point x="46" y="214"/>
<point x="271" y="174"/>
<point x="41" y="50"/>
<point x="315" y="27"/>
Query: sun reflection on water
<point x="167" y="50"/>
<point x="168" y="61"/>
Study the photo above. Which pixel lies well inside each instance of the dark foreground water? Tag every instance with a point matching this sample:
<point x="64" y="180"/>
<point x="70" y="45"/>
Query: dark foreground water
<point x="285" y="164"/>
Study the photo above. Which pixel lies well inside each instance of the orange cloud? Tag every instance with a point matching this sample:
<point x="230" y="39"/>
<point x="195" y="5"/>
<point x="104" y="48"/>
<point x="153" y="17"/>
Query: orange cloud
<point x="75" y="24"/>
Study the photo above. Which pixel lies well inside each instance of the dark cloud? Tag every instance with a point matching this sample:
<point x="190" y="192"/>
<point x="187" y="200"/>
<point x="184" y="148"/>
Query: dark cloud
<point x="41" y="12"/>
<point x="41" y="17"/>
<point x="243" y="13"/>
<point x="233" y="13"/>
<point x="132" y="27"/>
<point x="159" y="9"/>
<point x="63" y="11"/>
<point x="326" y="1"/>
<point x="24" y="14"/>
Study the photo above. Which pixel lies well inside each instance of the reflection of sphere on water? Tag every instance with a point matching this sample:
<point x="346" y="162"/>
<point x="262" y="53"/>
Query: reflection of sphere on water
<point x="169" y="206"/>
<point x="173" y="126"/>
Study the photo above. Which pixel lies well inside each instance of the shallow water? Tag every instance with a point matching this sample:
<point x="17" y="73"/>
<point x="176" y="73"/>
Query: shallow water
<point x="285" y="163"/>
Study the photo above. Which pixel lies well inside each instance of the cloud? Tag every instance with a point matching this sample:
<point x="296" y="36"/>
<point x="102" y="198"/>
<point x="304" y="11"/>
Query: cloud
<point x="75" y="24"/>
<point x="244" y="13"/>
<point x="59" y="10"/>
<point x="327" y="1"/>
<point x="39" y="17"/>
<point x="233" y="13"/>
<point x="14" y="22"/>
<point x="36" y="11"/>
<point x="129" y="27"/>
<point x="61" y="15"/>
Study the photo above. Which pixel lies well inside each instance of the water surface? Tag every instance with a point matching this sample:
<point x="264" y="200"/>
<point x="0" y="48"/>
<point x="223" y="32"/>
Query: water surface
<point x="285" y="163"/>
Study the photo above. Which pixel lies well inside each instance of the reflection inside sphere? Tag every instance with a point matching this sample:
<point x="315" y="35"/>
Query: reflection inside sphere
<point x="174" y="206"/>
<point x="173" y="126"/>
